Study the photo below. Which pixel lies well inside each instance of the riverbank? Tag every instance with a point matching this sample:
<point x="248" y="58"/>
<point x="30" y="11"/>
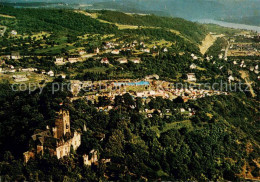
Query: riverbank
<point x="229" y="25"/>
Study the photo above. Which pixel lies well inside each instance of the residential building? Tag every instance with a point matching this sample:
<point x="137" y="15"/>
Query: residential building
<point x="122" y="60"/>
<point x="15" y="55"/>
<point x="191" y="77"/>
<point x="116" y="52"/>
<point x="104" y="61"/>
<point x="60" y="61"/>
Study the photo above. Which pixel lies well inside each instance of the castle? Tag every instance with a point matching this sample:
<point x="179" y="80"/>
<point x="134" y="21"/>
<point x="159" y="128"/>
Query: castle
<point x="57" y="140"/>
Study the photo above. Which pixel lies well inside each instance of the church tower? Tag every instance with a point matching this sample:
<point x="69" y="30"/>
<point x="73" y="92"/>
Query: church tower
<point x="62" y="123"/>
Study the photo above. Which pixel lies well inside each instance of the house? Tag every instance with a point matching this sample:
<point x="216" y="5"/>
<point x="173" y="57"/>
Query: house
<point x="135" y="60"/>
<point x="50" y="73"/>
<point x="195" y="57"/>
<point x="15" y="55"/>
<point x="109" y="45"/>
<point x="58" y="140"/>
<point x="191" y="77"/>
<point x="60" y="61"/>
<point x="28" y="69"/>
<point x="230" y="78"/>
<point x="82" y="52"/>
<point x="96" y="51"/>
<point x="116" y="52"/>
<point x="104" y="61"/>
<point x="73" y="58"/>
<point x="122" y="60"/>
<point x="193" y="66"/>
<point x="14" y="32"/>
<point x="145" y="50"/>
<point x="182" y="110"/>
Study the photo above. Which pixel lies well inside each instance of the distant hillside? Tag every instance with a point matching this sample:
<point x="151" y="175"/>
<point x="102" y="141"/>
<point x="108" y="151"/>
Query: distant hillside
<point x="70" y="23"/>
<point x="52" y="20"/>
<point x="251" y="20"/>
<point x="235" y="10"/>
<point x="193" y="31"/>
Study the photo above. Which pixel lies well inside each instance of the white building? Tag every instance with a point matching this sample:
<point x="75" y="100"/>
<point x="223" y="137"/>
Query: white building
<point x="73" y="59"/>
<point x="60" y="61"/>
<point x="104" y="61"/>
<point x="15" y="55"/>
<point x="191" y="77"/>
<point x="231" y="78"/>
<point x="136" y="60"/>
<point x="116" y="52"/>
<point x="50" y="73"/>
<point x="122" y="60"/>
<point x="193" y="66"/>
<point x="14" y="32"/>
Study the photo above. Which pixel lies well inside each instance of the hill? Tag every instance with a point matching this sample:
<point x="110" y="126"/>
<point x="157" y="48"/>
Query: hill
<point x="53" y="20"/>
<point x="190" y="30"/>
<point x="70" y="23"/>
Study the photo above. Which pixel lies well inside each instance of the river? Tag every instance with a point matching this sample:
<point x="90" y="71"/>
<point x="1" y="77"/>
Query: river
<point x="230" y="25"/>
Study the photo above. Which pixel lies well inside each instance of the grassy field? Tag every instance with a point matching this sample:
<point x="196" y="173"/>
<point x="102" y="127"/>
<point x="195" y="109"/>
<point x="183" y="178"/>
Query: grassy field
<point x="208" y="42"/>
<point x="6" y="16"/>
<point x="175" y="125"/>
<point x="219" y="29"/>
<point x="34" y="78"/>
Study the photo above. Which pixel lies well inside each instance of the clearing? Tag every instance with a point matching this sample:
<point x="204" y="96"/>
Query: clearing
<point x="208" y="42"/>
<point x="6" y="16"/>
<point x="245" y="76"/>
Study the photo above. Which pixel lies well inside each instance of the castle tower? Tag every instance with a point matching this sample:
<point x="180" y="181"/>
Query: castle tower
<point x="62" y="123"/>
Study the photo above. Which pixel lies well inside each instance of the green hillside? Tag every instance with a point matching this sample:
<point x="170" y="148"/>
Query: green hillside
<point x="51" y="20"/>
<point x="190" y="30"/>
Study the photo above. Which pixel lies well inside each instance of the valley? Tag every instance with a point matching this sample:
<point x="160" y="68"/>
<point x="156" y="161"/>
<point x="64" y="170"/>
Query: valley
<point x="99" y="95"/>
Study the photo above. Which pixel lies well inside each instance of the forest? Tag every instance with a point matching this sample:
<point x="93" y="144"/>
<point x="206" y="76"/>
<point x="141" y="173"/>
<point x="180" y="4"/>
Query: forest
<point x="212" y="145"/>
<point x="53" y="20"/>
<point x="146" y="139"/>
<point x="192" y="31"/>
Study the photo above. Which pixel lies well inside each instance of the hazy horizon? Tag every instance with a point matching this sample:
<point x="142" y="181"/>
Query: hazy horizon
<point x="239" y="11"/>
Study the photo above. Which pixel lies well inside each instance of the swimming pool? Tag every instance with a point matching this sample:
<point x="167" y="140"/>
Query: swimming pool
<point x="140" y="83"/>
